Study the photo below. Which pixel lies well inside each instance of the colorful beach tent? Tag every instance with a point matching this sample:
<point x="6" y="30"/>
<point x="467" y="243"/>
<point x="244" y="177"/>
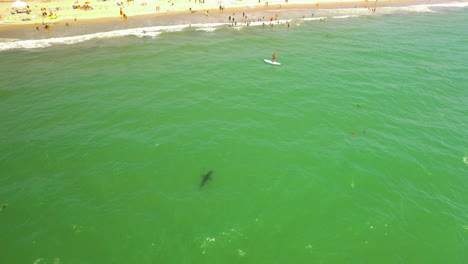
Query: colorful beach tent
<point x="19" y="4"/>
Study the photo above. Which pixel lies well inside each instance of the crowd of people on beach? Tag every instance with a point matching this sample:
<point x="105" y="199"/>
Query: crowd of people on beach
<point x="130" y="7"/>
<point x="245" y="20"/>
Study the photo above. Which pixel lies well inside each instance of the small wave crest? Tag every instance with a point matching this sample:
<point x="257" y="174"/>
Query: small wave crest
<point x="8" y="44"/>
<point x="428" y="8"/>
<point x="419" y="9"/>
<point x="314" y="18"/>
<point x="346" y="16"/>
<point x="206" y="29"/>
<point x="456" y="4"/>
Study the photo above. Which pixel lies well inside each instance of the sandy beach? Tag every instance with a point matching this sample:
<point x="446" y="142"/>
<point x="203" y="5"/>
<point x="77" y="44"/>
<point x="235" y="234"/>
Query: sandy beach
<point x="47" y="19"/>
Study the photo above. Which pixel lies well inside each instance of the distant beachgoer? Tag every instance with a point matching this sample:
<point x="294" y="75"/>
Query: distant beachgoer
<point x="67" y="24"/>
<point x="37" y="27"/>
<point x="273" y="57"/>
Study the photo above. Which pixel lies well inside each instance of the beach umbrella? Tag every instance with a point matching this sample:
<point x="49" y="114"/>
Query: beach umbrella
<point x="19" y="4"/>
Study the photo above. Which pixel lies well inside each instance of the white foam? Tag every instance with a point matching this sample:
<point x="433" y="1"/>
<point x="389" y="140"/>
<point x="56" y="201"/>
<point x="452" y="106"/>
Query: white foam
<point x="7" y="44"/>
<point x="206" y="29"/>
<point x="413" y="8"/>
<point x="38" y="260"/>
<point x="314" y="18"/>
<point x="425" y="8"/>
<point x="261" y="23"/>
<point x="147" y="34"/>
<point x="419" y="9"/>
<point x="209" y="27"/>
<point x="457" y="4"/>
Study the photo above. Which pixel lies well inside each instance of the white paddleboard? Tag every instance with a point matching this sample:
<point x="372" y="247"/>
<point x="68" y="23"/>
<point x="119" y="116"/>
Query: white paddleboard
<point x="272" y="62"/>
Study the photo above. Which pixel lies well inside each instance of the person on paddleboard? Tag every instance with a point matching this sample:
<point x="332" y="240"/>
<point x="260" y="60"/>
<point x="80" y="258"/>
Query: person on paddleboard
<point x="273" y="57"/>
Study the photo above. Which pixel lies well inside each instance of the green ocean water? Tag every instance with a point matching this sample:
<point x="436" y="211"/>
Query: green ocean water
<point x="355" y="150"/>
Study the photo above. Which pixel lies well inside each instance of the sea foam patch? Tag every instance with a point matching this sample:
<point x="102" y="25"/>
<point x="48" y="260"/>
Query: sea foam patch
<point x="206" y="29"/>
<point x="314" y="18"/>
<point x="456" y="4"/>
<point x="7" y="44"/>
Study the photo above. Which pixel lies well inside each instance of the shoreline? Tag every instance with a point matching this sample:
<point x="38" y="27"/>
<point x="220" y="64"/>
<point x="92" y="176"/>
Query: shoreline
<point x="291" y="11"/>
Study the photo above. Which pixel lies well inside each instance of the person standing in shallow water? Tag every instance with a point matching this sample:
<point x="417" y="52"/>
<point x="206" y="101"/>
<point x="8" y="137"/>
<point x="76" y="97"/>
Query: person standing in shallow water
<point x="273" y="57"/>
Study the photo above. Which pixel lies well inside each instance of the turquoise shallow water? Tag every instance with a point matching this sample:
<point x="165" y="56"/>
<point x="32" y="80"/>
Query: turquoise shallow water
<point x="353" y="151"/>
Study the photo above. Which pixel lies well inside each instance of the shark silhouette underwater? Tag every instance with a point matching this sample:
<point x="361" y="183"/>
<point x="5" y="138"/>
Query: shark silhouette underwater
<point x="206" y="177"/>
